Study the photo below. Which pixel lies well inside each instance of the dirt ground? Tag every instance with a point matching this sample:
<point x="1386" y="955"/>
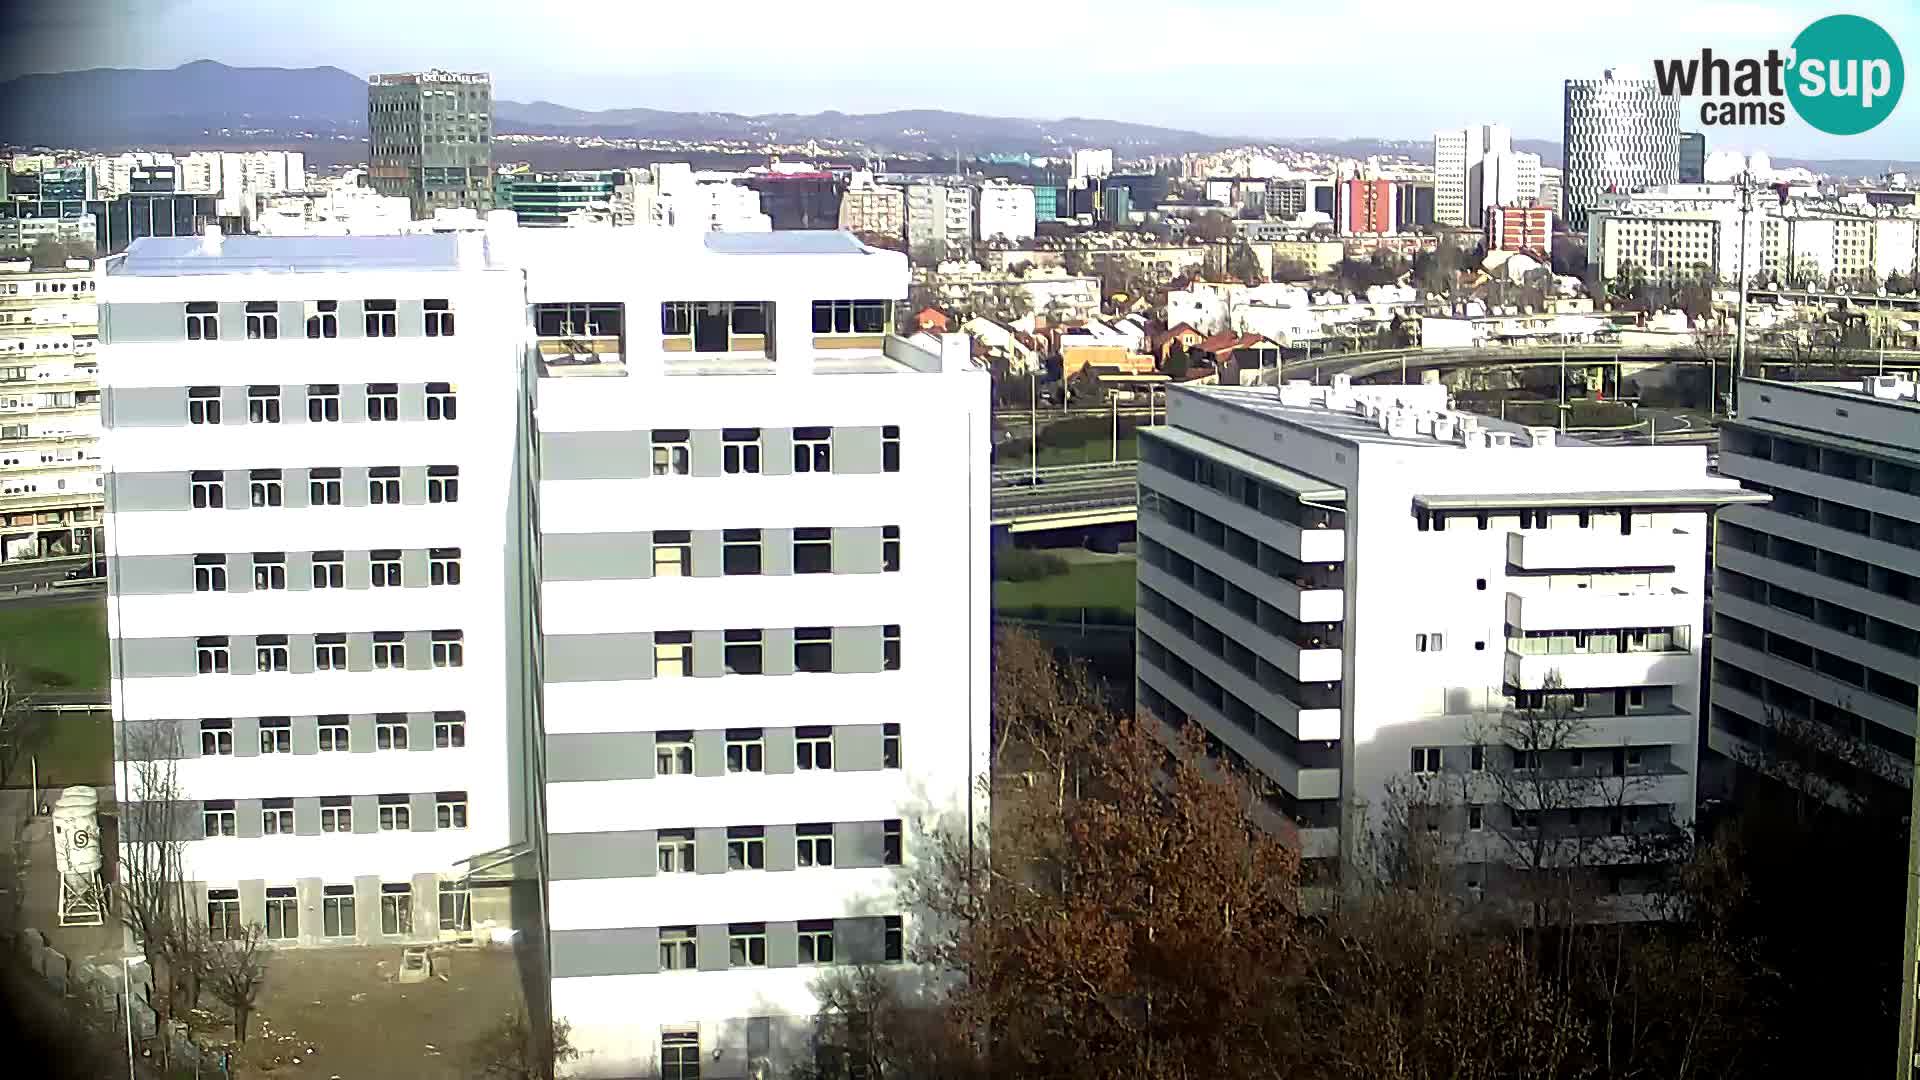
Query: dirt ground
<point x="337" y="1013"/>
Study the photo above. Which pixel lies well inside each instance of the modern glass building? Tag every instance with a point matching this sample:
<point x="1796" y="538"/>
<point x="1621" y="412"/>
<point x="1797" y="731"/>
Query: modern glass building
<point x="432" y="139"/>
<point x="1622" y="134"/>
<point x="546" y="199"/>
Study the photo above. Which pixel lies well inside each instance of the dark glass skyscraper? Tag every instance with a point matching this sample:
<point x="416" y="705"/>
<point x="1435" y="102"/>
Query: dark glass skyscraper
<point x="432" y="139"/>
<point x="1693" y="157"/>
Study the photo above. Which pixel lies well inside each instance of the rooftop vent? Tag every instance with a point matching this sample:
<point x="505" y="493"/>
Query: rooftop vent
<point x="1443" y="429"/>
<point x="210" y="239"/>
<point x="1499" y="439"/>
<point x="1889" y="387"/>
<point x="1541" y="438"/>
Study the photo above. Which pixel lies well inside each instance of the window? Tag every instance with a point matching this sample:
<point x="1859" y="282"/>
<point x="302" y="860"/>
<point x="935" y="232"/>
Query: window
<point x="813" y="551"/>
<point x="449" y="649"/>
<point x="890" y="647"/>
<point x="211" y="656"/>
<point x="1526" y="819"/>
<point x="223" y="913"/>
<point x="439" y="319"/>
<point x="672" y="654"/>
<point x="890" y="746"/>
<point x="443" y="566"/>
<point x="679" y="1051"/>
<point x="746" y="750"/>
<point x="672" y="452"/>
<point x="323" y="403"/>
<point x="890" y="448"/>
<point x="890" y="548"/>
<point x="336" y="813"/>
<point x="894" y="940"/>
<point x="1475" y="818"/>
<point x="380" y="318"/>
<point x="450" y="810"/>
<point x="1633" y="755"/>
<point x="269" y="571"/>
<point x="216" y="738"/>
<point x="449" y="730"/>
<point x="747" y="945"/>
<point x="395" y="813"/>
<point x="389" y="650"/>
<point x="264" y="490"/>
<point x="1636" y="698"/>
<point x="323" y="319"/>
<point x="203" y="321"/>
<point x="443" y="483"/>
<point x="679" y="952"/>
<point x="816" y="941"/>
<point x="336" y="911"/>
<point x="334" y="736"/>
<point x="746" y="848"/>
<point x="330" y="652"/>
<point x="329" y="570"/>
<point x="813" y="449"/>
<point x="323" y="489"/>
<point x="740" y="551"/>
<point x="1526" y="760"/>
<point x="1579" y="700"/>
<point x="747" y="320"/>
<point x="442" y="403"/>
<point x="813" y="846"/>
<point x="743" y="652"/>
<point x="813" y="748"/>
<point x="673" y="753"/>
<point x="383" y="568"/>
<point x="1479" y="759"/>
<point x="383" y="401"/>
<point x="396" y="910"/>
<point x="813" y="649"/>
<point x="276" y="817"/>
<point x="209" y="573"/>
<point x="850" y="316"/>
<point x="383" y="485"/>
<point x="276" y="735"/>
<point x="203" y="405"/>
<point x="263" y="404"/>
<point x="672" y="553"/>
<point x="675" y="848"/>
<point x="891" y="839"/>
<point x="209" y="491"/>
<point x="1426" y="760"/>
<point x="676" y="318"/>
<point x="740" y="450"/>
<point x="217" y="817"/>
<point x="1480" y="584"/>
<point x="390" y="731"/>
<point x="456" y="907"/>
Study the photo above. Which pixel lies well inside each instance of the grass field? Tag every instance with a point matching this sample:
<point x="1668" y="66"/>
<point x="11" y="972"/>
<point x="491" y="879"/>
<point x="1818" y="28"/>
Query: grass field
<point x="77" y="748"/>
<point x="56" y="647"/>
<point x="1096" y="583"/>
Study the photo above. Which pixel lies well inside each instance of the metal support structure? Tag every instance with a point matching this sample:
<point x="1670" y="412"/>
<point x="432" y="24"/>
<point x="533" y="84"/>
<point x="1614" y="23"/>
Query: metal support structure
<point x="1746" y="187"/>
<point x="1033" y="424"/>
<point x="1116" y="426"/>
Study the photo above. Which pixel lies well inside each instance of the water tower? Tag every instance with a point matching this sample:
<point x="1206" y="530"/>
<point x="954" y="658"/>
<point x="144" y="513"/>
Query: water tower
<point x="76" y="855"/>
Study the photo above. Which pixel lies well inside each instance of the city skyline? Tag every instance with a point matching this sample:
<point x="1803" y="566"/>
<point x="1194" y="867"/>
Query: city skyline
<point x="679" y="60"/>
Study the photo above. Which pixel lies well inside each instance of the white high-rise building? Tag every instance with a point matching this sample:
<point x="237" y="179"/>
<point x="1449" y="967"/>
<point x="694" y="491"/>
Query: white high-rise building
<point x="1621" y="135"/>
<point x="1005" y="210"/>
<point x="940" y="220"/>
<point x="1348" y="587"/>
<point x="1816" y="598"/>
<point x="49" y="412"/>
<point x="1475" y="168"/>
<point x="1092" y="165"/>
<point x="736" y="533"/>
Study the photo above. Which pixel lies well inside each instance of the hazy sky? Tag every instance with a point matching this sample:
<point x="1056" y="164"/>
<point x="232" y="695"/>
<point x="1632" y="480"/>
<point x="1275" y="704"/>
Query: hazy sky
<point x="1390" y="68"/>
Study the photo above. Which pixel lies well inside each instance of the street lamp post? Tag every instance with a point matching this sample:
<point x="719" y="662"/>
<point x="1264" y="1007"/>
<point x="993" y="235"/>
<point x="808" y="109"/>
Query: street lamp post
<point x="1033" y="426"/>
<point x="1746" y="189"/>
<point x="1116" y="427"/>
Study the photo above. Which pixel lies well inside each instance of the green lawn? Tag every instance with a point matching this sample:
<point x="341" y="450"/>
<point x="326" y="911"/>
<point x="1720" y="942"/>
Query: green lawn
<point x="57" y="647"/>
<point x="76" y="748"/>
<point x="1103" y="585"/>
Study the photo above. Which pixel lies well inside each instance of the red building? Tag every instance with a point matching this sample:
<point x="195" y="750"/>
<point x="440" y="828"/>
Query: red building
<point x="1520" y="228"/>
<point x="1366" y="206"/>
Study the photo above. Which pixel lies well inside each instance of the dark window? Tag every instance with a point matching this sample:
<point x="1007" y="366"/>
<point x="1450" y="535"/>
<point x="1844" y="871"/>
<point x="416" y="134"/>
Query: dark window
<point x="890" y="646"/>
<point x="813" y="551"/>
<point x="890" y="449"/>
<point x="380" y="318"/>
<point x="740" y="551"/>
<point x="813" y="649"/>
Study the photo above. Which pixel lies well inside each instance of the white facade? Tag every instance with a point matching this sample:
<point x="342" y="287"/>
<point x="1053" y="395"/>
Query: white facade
<point x="1621" y="134"/>
<point x="940" y="217"/>
<point x="1092" y="165"/>
<point x="50" y="486"/>
<point x="1005" y="210"/>
<point x="1817" y="595"/>
<point x="1410" y="574"/>
<point x="1477" y="167"/>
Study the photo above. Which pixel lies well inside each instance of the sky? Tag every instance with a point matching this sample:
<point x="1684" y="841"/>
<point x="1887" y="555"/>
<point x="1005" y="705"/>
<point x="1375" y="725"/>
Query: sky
<point x="1397" y="69"/>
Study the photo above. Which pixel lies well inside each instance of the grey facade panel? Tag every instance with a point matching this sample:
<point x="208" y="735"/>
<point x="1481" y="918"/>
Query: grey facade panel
<point x="595" y="455"/>
<point x="713" y="946"/>
<point x="160" y="657"/>
<point x="422" y="809"/>
<point x="783" y="944"/>
<point x="596" y="556"/>
<point x="413" y="401"/>
<point x="708" y="553"/>
<point x="413" y="568"/>
<point x="366" y="897"/>
<point x="780" y="853"/>
<point x="419" y="731"/>
<point x="779" y="744"/>
<point x="246" y="814"/>
<point x="776" y="451"/>
<point x="704" y="446"/>
<point x="130" y="491"/>
<point x="149" y="322"/>
<point x="159" y="740"/>
<point x="598" y="657"/>
<point x="857" y="649"/>
<point x="776" y="551"/>
<point x="360" y="651"/>
<point x="146" y="406"/>
<point x="581" y="856"/>
<point x="856" y="550"/>
<point x="581" y="953"/>
<point x="360" y="737"/>
<point x="246" y="736"/>
<point x="366" y="812"/>
<point x="776" y="651"/>
<point x="180" y="820"/>
<point x="306" y="818"/>
<point x="710" y="752"/>
<point x="413" y="485"/>
<point x="710" y="851"/>
<point x="857" y="747"/>
<point x="856" y="449"/>
<point x="233" y="406"/>
<point x="600" y="756"/>
<point x="306" y="735"/>
<point x="353" y="488"/>
<point x="151" y="575"/>
<point x="860" y="940"/>
<point x="709" y="654"/>
<point x="858" y="844"/>
<point x="419" y="650"/>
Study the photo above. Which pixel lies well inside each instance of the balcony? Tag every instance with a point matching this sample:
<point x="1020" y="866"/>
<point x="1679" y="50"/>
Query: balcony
<point x="1597" y="609"/>
<point x="1599" y="549"/>
<point x="1579" y="671"/>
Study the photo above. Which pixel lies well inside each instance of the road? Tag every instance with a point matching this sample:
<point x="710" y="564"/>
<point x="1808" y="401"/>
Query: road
<point x="34" y="573"/>
<point x="16" y="597"/>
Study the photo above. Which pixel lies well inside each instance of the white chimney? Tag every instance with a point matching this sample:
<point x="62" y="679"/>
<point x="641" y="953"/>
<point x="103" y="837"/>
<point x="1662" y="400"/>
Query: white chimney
<point x="210" y="239"/>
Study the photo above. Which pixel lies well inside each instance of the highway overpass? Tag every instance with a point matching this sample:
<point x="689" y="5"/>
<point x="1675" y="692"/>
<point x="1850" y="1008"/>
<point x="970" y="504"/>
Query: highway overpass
<point x="1067" y="496"/>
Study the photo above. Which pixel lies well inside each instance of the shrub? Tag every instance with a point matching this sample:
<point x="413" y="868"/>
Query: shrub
<point x="1021" y="564"/>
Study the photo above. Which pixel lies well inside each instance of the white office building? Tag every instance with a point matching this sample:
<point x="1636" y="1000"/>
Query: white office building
<point x="1816" y="599"/>
<point x="1005" y="210"/>
<point x="1477" y="167"/>
<point x="940" y="220"/>
<point x="685" y="526"/>
<point x="1347" y="587"/>
<point x="1621" y="134"/>
<point x="50" y="486"/>
<point x="1092" y="165"/>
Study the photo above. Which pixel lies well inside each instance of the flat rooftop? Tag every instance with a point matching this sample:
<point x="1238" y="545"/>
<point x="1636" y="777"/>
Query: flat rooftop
<point x="1852" y="390"/>
<point x="1355" y="427"/>
<point x="185" y="256"/>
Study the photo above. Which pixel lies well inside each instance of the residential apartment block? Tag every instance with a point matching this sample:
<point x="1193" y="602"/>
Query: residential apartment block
<point x="874" y="208"/>
<point x="1349" y="587"/>
<point x="1816" y="599"/>
<point x="432" y="139"/>
<point x="50" y="486"/>
<point x="686" y="524"/>
<point x="940" y="220"/>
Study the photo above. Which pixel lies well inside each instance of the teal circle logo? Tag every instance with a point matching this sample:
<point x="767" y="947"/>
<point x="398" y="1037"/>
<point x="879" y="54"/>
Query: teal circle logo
<point x="1846" y="76"/>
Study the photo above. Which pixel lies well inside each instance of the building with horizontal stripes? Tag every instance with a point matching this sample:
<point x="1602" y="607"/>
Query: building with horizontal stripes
<point x="1354" y="591"/>
<point x="565" y="583"/>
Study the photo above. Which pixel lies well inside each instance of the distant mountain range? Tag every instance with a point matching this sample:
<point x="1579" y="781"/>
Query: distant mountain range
<point x="208" y="104"/>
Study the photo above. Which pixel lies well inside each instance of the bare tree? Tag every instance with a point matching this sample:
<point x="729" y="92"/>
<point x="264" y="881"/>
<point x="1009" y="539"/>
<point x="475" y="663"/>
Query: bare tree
<point x="22" y="727"/>
<point x="1819" y="764"/>
<point x="513" y="1049"/>
<point x="154" y="825"/>
<point x="236" y="972"/>
<point x="868" y="1027"/>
